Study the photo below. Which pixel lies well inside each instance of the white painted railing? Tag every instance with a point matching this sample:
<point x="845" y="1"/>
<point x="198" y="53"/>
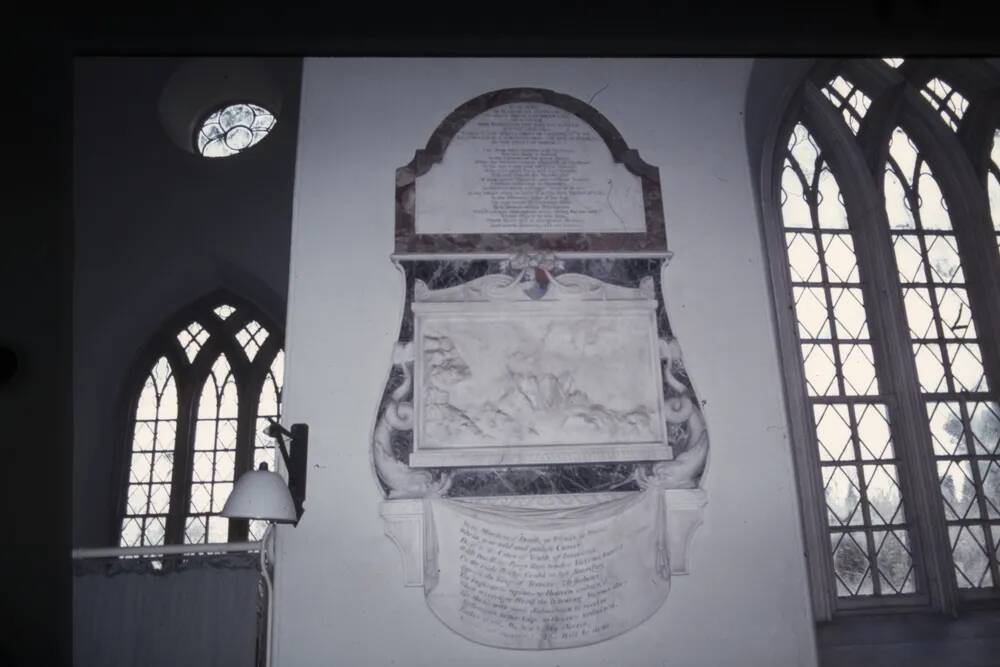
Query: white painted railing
<point x="166" y="550"/>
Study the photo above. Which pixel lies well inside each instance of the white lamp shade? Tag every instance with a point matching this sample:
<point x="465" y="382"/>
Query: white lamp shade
<point x="260" y="494"/>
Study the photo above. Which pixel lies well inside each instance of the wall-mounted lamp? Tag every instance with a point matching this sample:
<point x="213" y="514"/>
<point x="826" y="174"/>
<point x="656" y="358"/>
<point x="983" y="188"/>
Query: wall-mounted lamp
<point x="262" y="494"/>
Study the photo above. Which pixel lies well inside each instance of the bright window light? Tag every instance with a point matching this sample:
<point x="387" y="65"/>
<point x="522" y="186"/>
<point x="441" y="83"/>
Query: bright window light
<point x="234" y="128"/>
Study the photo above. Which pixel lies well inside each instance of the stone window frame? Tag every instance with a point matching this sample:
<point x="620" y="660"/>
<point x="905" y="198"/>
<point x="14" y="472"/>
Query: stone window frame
<point x="858" y="162"/>
<point x="190" y="375"/>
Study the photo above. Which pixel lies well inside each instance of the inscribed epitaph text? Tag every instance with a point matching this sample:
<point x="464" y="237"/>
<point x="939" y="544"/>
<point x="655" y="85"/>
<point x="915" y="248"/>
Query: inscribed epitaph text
<point x="529" y="578"/>
<point x="528" y="168"/>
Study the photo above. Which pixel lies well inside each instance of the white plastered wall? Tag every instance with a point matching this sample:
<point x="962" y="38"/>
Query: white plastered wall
<point x="340" y="598"/>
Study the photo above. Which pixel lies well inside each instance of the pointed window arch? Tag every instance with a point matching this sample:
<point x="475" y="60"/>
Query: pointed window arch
<point x="879" y="195"/>
<point x="195" y="422"/>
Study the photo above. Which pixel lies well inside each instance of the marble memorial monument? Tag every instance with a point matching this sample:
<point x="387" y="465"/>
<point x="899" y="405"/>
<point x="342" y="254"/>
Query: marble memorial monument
<point x="539" y="443"/>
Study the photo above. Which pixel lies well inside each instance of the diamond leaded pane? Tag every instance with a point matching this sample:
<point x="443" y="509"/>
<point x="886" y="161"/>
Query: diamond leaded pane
<point x="849" y="312"/>
<point x="194" y="530"/>
<point x="882" y="490"/>
<point x="841" y="263"/>
<point x="144" y="436"/>
<point x="131" y="532"/>
<point x="947" y="429"/>
<point x="895" y="561"/>
<point x="970" y="553"/>
<point x="833" y="432"/>
<point x="874" y="435"/>
<point x="159" y="498"/>
<point x="909" y="258"/>
<point x="958" y="490"/>
<point x="929" y="360"/>
<point x="811" y="311"/>
<point x="843" y="495"/>
<point x="942" y="254"/>
<point x="803" y="257"/>
<point x="954" y="313"/>
<point x="858" y="369"/>
<point x="919" y="312"/>
<point x="154" y="530"/>
<point x="137" y="500"/>
<point x="820" y="370"/>
<point x="967" y="367"/>
<point x="851" y="566"/>
<point x="201" y="467"/>
<point x="141" y="467"/>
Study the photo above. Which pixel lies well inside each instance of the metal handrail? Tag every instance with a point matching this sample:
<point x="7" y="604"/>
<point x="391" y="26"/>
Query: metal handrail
<point x="166" y="550"/>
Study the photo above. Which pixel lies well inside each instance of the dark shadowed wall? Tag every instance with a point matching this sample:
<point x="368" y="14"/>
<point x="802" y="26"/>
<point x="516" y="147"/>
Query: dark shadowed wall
<point x="156" y="228"/>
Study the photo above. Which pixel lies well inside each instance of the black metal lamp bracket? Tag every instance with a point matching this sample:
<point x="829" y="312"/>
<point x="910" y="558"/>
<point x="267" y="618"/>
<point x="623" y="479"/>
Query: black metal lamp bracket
<point x="295" y="455"/>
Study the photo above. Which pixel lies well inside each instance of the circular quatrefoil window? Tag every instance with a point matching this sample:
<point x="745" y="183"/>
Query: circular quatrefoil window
<point x="233" y="128"/>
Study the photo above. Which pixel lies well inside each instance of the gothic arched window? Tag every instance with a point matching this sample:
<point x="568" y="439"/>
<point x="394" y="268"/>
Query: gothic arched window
<point x="196" y="421"/>
<point x="883" y="232"/>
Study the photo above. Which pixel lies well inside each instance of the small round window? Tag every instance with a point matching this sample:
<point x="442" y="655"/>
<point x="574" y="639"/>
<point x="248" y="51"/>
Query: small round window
<point x="234" y="128"/>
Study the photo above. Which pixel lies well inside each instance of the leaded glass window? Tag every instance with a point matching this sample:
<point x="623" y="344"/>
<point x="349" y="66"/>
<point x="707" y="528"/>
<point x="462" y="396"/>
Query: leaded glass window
<point x="887" y="315"/>
<point x="233" y="129"/>
<point x="218" y="378"/>
<point x="869" y="538"/>
<point x="946" y="347"/>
